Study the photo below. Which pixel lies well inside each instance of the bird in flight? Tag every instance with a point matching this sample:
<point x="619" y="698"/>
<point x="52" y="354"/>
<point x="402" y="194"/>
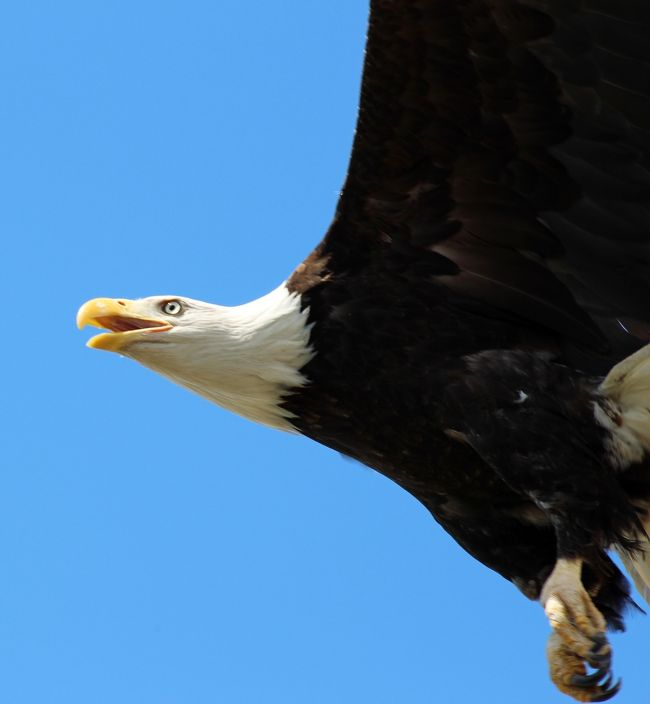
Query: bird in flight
<point x="474" y="323"/>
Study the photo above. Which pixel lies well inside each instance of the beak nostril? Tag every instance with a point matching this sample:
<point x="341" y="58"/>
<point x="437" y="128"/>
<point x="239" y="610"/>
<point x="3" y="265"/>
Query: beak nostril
<point x="122" y="303"/>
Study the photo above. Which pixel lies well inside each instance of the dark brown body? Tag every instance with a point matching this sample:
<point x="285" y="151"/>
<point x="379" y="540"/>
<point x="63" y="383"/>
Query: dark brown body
<point x="488" y="263"/>
<point x="460" y="406"/>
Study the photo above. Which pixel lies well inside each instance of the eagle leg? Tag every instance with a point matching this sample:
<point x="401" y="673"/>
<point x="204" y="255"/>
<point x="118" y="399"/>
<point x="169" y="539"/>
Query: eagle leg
<point x="578" y="636"/>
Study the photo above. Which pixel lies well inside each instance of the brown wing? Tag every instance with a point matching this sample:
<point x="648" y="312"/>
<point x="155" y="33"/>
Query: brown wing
<point x="513" y="139"/>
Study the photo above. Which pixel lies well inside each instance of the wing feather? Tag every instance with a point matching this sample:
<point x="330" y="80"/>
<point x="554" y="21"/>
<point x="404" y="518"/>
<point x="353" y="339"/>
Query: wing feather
<point x="513" y="139"/>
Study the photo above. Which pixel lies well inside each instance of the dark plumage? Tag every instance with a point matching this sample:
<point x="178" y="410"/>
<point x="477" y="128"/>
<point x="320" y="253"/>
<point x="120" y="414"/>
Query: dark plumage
<point x="491" y="240"/>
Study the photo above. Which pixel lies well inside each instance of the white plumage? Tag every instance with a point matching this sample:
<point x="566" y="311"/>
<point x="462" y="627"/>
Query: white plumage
<point x="244" y="358"/>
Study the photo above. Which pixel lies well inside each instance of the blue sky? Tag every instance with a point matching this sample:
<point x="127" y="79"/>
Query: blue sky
<point x="153" y="548"/>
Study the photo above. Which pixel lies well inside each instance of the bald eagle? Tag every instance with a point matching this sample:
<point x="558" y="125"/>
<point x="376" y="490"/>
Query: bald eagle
<point x="474" y="323"/>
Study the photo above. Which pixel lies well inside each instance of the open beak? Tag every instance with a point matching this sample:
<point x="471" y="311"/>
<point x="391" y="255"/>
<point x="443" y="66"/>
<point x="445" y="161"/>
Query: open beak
<point x="120" y="316"/>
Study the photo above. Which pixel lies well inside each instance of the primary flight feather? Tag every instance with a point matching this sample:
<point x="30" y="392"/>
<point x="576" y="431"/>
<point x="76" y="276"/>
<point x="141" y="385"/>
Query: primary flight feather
<point x="473" y="325"/>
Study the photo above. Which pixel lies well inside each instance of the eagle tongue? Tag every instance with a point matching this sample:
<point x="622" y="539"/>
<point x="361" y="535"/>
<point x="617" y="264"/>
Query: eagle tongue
<point x="116" y="323"/>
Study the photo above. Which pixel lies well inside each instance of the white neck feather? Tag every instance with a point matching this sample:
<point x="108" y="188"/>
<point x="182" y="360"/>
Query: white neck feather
<point x="245" y="358"/>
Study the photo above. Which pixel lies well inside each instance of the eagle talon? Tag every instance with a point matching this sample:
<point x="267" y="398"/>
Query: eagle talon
<point x="608" y="694"/>
<point x="593" y="678"/>
<point x="578" y="637"/>
<point x="607" y="683"/>
<point x="597" y="659"/>
<point x="601" y="661"/>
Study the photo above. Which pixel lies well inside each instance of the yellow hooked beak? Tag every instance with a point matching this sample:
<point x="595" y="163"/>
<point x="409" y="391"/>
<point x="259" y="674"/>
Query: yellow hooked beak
<point x="122" y="317"/>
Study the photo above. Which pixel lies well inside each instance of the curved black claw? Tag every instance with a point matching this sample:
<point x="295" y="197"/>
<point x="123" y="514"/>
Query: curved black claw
<point x="596" y="659"/>
<point x="607" y="683"/>
<point x="600" y="661"/>
<point x="599" y="642"/>
<point x="608" y="693"/>
<point x="593" y="679"/>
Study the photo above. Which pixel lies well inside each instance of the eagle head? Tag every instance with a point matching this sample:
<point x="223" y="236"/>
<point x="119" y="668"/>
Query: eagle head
<point x="245" y="358"/>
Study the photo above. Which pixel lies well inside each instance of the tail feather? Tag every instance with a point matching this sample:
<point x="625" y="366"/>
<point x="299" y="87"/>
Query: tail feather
<point x="639" y="571"/>
<point x="637" y="563"/>
<point x="627" y="387"/>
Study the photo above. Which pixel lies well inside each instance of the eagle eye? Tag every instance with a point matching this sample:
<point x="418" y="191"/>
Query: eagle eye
<point x="171" y="307"/>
